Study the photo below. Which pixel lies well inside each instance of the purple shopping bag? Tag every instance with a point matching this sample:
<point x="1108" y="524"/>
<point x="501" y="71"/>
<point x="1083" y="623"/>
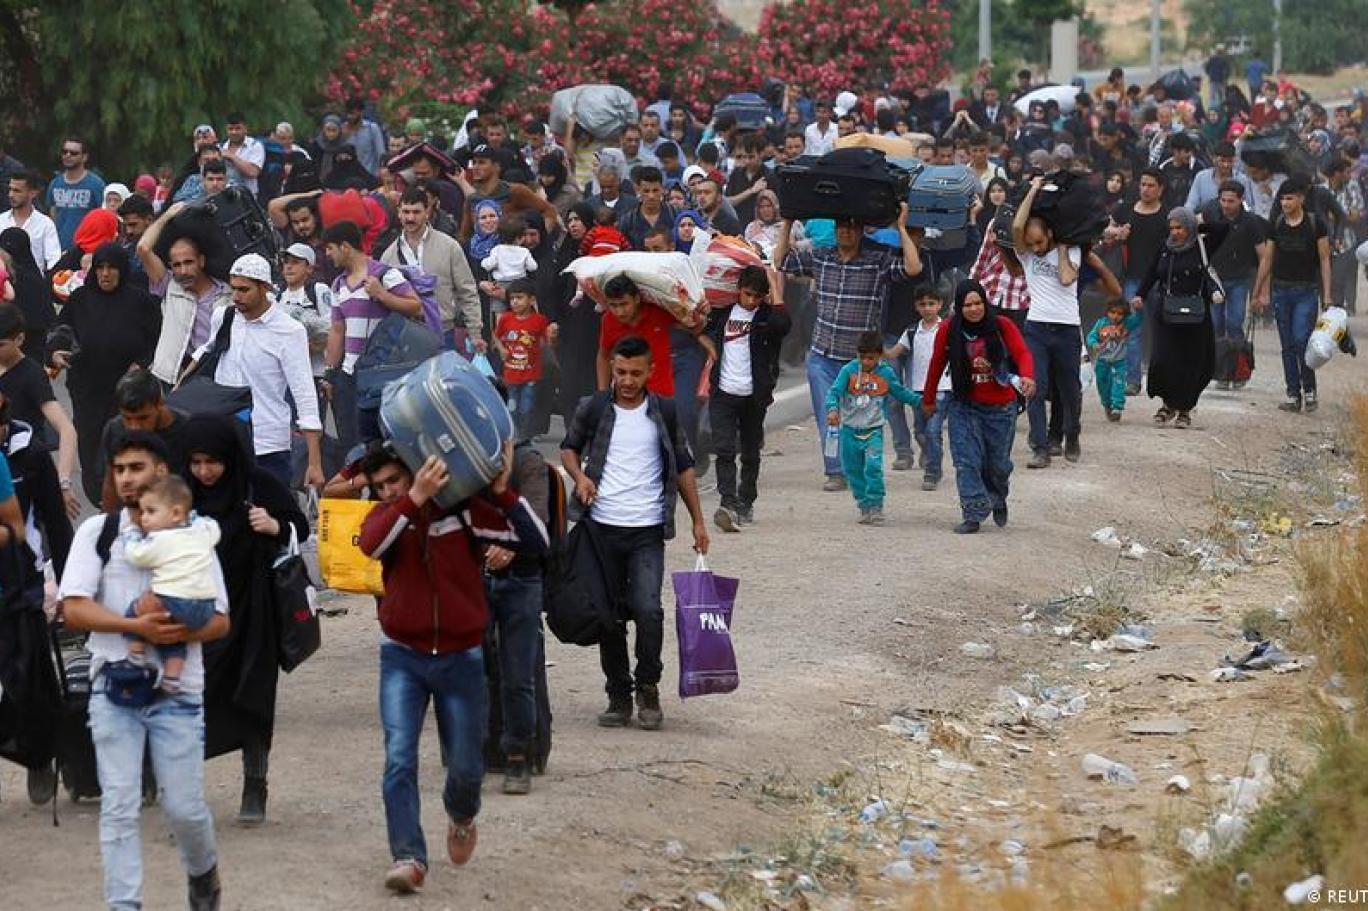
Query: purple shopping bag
<point x="703" y="613"/>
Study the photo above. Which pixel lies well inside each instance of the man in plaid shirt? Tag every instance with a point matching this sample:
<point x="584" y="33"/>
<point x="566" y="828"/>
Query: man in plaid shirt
<point x="1003" y="280"/>
<point x="850" y="283"/>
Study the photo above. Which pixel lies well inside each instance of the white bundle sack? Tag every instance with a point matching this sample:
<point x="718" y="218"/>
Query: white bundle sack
<point x="1325" y="340"/>
<point x="668" y="280"/>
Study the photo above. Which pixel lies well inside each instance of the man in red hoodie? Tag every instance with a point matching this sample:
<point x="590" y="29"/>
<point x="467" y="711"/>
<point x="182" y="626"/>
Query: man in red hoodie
<point x="433" y="617"/>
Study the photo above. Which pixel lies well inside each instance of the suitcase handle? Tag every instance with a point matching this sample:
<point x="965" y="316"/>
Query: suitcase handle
<point x="827" y="188"/>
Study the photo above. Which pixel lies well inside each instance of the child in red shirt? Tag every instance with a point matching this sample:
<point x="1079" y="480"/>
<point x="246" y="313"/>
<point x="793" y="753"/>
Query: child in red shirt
<point x="518" y="337"/>
<point x="604" y="238"/>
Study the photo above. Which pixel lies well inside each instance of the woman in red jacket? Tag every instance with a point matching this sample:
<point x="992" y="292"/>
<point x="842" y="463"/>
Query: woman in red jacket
<point x="988" y="362"/>
<point x="433" y="617"/>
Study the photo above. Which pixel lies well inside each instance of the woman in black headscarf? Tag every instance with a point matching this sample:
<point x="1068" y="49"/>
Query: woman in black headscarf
<point x="256" y="517"/>
<point x="31" y="290"/>
<point x="542" y="245"/>
<point x="988" y="361"/>
<point x="107" y="326"/>
<point x="346" y="172"/>
<point x="1183" y="352"/>
<point x="556" y="184"/>
<point x="578" y="318"/>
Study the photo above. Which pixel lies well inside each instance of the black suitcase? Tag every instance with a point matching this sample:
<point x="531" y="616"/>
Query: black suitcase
<point x="1071" y="206"/>
<point x="540" y="750"/>
<point x="224" y="226"/>
<point x="752" y="112"/>
<point x="76" y="752"/>
<point x="857" y="184"/>
<point x="1277" y="149"/>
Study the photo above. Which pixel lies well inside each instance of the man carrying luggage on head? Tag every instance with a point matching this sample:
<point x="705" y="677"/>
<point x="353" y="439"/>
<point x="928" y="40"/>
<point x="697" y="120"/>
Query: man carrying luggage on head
<point x="95" y="595"/>
<point x="850" y="287"/>
<point x="433" y="617"/>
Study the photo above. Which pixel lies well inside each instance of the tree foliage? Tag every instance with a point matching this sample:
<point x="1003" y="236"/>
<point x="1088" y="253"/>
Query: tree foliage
<point x="827" y="46"/>
<point x="133" y="79"/>
<point x="1317" y="37"/>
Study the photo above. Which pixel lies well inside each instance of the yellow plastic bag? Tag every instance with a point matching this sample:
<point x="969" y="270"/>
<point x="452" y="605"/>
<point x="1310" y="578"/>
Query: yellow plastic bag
<point x="345" y="568"/>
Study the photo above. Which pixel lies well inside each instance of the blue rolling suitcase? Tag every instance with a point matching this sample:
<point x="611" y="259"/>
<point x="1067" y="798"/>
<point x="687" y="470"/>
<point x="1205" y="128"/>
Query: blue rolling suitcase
<point x="752" y="112"/>
<point x="445" y="407"/>
<point x="941" y="197"/>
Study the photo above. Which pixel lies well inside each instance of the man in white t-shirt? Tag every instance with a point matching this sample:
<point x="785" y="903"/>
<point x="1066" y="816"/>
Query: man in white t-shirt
<point x="1052" y="328"/>
<point x="628" y="457"/>
<point x="98" y="585"/>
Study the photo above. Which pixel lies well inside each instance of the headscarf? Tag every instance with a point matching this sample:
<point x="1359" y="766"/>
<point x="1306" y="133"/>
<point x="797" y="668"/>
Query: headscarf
<point x="346" y="172"/>
<point x="99" y="226"/>
<point x="145" y="183"/>
<point x="683" y="246"/>
<point x="962" y="333"/>
<point x="330" y="145"/>
<point x="773" y="197"/>
<point x="303" y="174"/>
<point x="31" y="290"/>
<point x="113" y="254"/>
<point x="553" y="166"/>
<point x="482" y="244"/>
<point x="224" y="502"/>
<point x="569" y="249"/>
<point x="1184" y="216"/>
<point x="119" y="190"/>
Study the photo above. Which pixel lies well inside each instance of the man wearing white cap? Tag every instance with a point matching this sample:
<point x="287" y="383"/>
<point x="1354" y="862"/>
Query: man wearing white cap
<point x="269" y="352"/>
<point x="307" y="300"/>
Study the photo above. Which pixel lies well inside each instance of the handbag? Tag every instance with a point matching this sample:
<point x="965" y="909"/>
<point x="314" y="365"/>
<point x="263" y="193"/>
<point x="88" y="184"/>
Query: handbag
<point x="1187" y="309"/>
<point x="344" y="567"/>
<point x="703" y="619"/>
<point x="292" y="593"/>
<point x="579" y="607"/>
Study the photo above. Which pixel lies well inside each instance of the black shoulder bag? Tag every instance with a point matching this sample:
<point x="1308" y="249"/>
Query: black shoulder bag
<point x="1185" y="309"/>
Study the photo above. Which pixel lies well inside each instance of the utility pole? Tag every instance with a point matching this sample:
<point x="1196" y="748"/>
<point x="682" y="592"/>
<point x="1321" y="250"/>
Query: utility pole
<point x="1277" y="36"/>
<point x="1154" y="40"/>
<point x="985" y="36"/>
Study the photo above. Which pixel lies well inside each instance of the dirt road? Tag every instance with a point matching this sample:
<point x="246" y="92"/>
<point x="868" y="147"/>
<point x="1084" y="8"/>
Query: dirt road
<point x="822" y="663"/>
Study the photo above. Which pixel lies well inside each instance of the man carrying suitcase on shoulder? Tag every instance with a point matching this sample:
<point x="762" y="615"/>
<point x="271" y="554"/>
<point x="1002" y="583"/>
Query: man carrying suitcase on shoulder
<point x="850" y="286"/>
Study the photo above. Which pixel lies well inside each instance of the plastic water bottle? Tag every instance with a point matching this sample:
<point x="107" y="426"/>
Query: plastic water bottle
<point x="831" y="448"/>
<point x="1111" y="772"/>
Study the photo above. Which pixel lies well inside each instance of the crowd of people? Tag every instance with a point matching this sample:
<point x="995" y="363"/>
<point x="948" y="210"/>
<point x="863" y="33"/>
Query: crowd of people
<point x="967" y="327"/>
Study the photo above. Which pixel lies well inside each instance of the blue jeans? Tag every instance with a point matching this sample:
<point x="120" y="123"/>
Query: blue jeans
<point x="1296" y="310"/>
<point x="897" y="414"/>
<point x="192" y="613"/>
<point x="173" y="729"/>
<point x="821" y="372"/>
<point x="522" y="401"/>
<point x="930" y="436"/>
<point x="1056" y="349"/>
<point x="1228" y="319"/>
<point x="455" y="683"/>
<point x="686" y="363"/>
<point x="515" y="607"/>
<point x="277" y="465"/>
<point x="981" y="447"/>
<point x="862" y="459"/>
<point x="1135" y="350"/>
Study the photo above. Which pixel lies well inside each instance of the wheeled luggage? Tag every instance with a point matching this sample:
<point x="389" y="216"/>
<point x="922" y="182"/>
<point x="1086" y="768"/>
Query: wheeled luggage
<point x="751" y="111"/>
<point x="941" y="196"/>
<point x="76" y="751"/>
<point x="446" y="408"/>
<point x="855" y="184"/>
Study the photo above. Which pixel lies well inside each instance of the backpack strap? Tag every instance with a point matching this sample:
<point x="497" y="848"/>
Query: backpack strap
<point x="555" y="503"/>
<point x="311" y="292"/>
<point x="109" y="530"/>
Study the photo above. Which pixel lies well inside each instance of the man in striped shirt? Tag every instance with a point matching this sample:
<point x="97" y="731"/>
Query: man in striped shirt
<point x="364" y="292"/>
<point x="850" y="285"/>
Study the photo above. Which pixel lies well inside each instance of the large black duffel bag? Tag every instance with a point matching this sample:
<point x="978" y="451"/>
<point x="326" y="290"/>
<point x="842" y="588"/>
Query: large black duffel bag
<point x="857" y="184"/>
<point x="224" y="226"/>
<point x="1071" y="206"/>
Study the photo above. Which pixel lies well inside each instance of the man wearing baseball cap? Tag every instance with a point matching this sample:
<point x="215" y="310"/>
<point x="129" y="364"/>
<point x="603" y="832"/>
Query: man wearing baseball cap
<point x="266" y="350"/>
<point x="307" y="299"/>
<point x="486" y="182"/>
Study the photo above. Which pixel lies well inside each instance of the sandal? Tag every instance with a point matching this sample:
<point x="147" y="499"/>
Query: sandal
<point x="1184" y="421"/>
<point x="1163" y="415"/>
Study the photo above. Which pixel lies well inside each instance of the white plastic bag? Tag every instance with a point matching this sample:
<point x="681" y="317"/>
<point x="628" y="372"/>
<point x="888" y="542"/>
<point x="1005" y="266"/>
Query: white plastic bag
<point x="1085" y="375"/>
<point x="668" y="280"/>
<point x="1325" y="340"/>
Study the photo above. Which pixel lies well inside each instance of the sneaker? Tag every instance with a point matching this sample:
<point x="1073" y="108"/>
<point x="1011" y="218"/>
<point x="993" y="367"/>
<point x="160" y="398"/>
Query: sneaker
<point x="1132" y="389"/>
<point x="1056" y="449"/>
<point x="1309" y="403"/>
<point x="649" y="715"/>
<point x="834" y="482"/>
<point x="1114" y="416"/>
<point x="1000" y="517"/>
<point x="864" y="517"/>
<point x="42" y="784"/>
<point x="726" y="520"/>
<point x="405" y="877"/>
<point x="930" y="483"/>
<point x="1239" y="384"/>
<point x="1072" y="451"/>
<point x="205" y="891"/>
<point x="1293" y="404"/>
<point x="252" y="812"/>
<point x="1223" y="384"/>
<point x="967" y="528"/>
<point x="518" y="776"/>
<point x="876" y="516"/>
<point x="461" y="838"/>
<point x="618" y="714"/>
<point x="1183" y="421"/>
<point x="745" y="516"/>
<point x="1163" y="415"/>
<point x="1039" y="459"/>
<point x="903" y="462"/>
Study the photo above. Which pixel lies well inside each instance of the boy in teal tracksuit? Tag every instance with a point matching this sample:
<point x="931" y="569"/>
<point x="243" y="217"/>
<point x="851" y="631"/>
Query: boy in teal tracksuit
<point x="857" y="403"/>
<point x="1107" y="344"/>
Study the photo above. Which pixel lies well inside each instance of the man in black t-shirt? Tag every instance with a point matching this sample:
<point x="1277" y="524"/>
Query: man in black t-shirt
<point x="1295" y="278"/>
<point x="142" y="406"/>
<point x="1236" y="261"/>
<point x="1141" y="228"/>
<point x="29" y="392"/>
